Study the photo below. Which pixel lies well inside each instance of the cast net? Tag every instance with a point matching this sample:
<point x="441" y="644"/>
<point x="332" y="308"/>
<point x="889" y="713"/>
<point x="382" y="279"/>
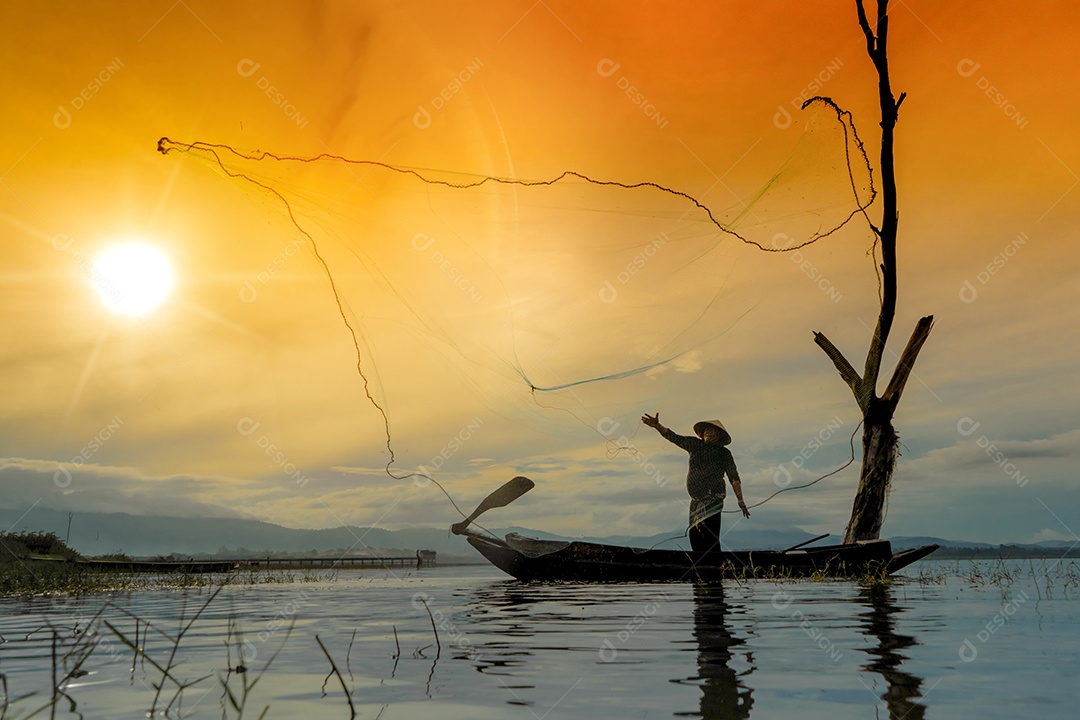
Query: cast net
<point x="556" y="302"/>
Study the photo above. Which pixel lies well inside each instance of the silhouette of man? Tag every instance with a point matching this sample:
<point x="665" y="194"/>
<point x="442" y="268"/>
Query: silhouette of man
<point x="710" y="461"/>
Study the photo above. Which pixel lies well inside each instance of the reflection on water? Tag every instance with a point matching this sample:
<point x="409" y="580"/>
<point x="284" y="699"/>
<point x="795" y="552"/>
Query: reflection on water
<point x="724" y="694"/>
<point x="525" y="624"/>
<point x="904" y="693"/>
<point x="812" y="651"/>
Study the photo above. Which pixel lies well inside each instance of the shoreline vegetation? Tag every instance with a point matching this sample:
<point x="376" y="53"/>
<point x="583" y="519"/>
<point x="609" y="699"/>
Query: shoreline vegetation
<point x="40" y="563"/>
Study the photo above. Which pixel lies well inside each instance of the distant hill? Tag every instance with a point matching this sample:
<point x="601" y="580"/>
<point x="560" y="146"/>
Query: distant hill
<point x="147" y="536"/>
<point x="150" y="536"/>
<point x="959" y="550"/>
<point x="903" y="542"/>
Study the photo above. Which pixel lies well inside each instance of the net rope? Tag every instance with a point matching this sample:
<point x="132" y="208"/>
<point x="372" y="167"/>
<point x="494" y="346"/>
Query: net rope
<point x="237" y="164"/>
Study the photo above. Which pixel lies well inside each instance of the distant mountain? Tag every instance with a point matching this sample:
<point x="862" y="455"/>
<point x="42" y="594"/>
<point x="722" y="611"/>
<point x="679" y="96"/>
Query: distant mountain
<point x="1056" y="544"/>
<point x="149" y="536"/>
<point x="904" y="542"/>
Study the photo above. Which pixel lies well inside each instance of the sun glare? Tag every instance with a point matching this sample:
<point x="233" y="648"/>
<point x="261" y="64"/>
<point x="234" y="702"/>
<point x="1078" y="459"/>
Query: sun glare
<point x="133" y="278"/>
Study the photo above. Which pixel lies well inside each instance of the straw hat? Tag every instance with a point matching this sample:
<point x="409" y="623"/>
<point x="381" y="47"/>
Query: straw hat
<point x="725" y="436"/>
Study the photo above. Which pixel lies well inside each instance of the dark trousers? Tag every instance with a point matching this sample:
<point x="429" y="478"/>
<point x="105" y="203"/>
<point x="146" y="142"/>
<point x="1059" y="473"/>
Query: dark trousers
<point x="705" y="535"/>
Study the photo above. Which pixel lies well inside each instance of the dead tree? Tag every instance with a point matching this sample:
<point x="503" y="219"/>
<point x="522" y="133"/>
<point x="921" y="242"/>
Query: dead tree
<point x="880" y="441"/>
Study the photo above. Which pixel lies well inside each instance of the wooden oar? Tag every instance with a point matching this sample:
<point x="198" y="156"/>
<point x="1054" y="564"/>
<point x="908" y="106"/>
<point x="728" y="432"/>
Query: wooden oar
<point x="505" y="495"/>
<point x="806" y="542"/>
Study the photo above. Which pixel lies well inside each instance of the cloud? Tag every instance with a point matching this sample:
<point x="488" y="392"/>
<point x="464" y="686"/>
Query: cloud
<point x="990" y="490"/>
<point x="481" y="461"/>
<point x="960" y="491"/>
<point x="1050" y="534"/>
<point x="100" y="488"/>
<point x="691" y="362"/>
<point x="970" y="457"/>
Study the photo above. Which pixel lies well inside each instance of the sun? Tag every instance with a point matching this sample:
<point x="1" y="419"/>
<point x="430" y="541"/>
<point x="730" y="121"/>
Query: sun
<point x="133" y="278"/>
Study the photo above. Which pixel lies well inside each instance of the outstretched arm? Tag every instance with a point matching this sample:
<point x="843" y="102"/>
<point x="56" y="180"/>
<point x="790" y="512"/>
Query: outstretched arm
<point x="653" y="421"/>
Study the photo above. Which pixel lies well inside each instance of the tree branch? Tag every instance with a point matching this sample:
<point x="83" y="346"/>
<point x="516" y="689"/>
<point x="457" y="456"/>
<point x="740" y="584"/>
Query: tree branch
<point x="907" y="360"/>
<point x="873" y="359"/>
<point x="847" y="372"/>
<point x="890" y="217"/>
<point x="865" y="25"/>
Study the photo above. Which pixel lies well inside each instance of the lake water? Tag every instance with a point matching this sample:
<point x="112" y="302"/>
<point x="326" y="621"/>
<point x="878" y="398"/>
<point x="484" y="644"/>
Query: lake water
<point x="957" y="648"/>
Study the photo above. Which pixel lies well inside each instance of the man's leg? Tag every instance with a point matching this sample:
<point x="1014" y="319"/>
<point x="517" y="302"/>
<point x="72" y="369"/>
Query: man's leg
<point x="705" y="535"/>
<point x="712" y="531"/>
<point x="698" y="543"/>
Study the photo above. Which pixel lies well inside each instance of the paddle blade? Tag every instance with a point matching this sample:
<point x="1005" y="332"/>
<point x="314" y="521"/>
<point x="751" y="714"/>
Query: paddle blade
<point x="506" y="494"/>
<point x="503" y="496"/>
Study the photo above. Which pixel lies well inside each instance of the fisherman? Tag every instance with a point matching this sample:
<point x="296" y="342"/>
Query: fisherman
<point x="710" y="461"/>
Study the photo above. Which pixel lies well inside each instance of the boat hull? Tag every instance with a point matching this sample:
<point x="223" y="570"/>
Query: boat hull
<point x="529" y="559"/>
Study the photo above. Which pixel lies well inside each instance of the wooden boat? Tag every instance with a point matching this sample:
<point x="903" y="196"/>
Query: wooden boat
<point x="528" y="558"/>
<point x="531" y="559"/>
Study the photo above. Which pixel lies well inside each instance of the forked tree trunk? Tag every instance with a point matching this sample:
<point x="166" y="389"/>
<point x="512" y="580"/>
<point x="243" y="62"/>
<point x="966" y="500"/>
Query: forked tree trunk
<point x="880" y="450"/>
<point x="880" y="441"/>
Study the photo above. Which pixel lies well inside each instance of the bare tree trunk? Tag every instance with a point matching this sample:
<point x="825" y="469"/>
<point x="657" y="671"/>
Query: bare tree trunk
<point x="880" y="450"/>
<point x="880" y="440"/>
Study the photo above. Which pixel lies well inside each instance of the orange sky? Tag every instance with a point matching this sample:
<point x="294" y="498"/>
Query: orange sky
<point x="540" y="88"/>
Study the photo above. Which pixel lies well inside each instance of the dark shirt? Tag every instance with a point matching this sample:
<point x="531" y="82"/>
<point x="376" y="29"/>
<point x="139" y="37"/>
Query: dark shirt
<point x="709" y="462"/>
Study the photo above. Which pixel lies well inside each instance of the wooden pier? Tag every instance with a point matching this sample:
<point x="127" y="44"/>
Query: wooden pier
<point x="422" y="559"/>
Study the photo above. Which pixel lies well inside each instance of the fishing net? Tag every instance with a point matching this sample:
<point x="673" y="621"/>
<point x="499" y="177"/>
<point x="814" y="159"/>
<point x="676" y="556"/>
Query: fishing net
<point x="555" y="302"/>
